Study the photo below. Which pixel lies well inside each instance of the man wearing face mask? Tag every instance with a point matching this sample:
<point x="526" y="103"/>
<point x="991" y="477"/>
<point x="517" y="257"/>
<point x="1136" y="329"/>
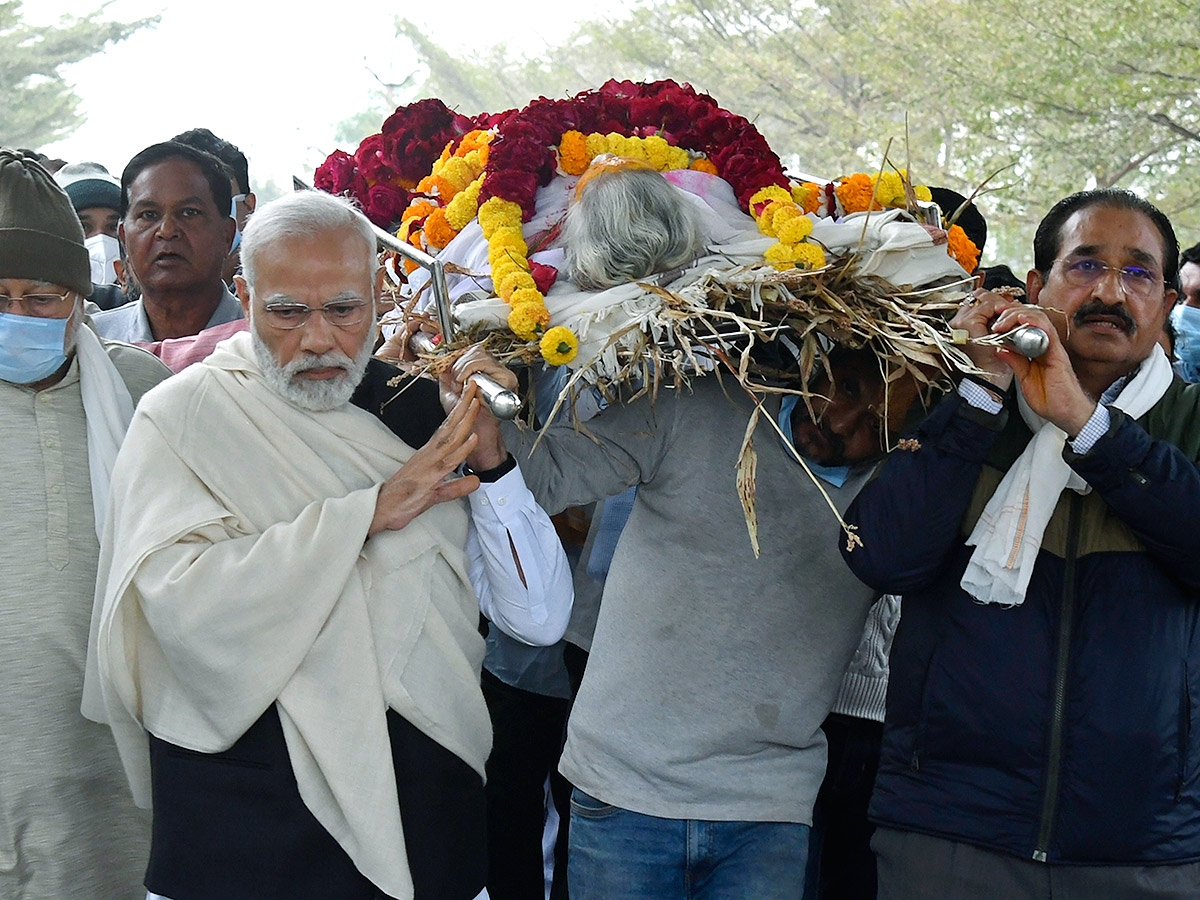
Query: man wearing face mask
<point x="1186" y="316"/>
<point x="96" y="196"/>
<point x="68" y="827"/>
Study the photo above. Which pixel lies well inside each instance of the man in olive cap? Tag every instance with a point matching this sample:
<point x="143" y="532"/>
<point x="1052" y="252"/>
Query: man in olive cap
<point x="68" y="827"/>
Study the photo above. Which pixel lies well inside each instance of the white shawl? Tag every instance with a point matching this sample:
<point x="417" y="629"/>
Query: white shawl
<point x="1009" y="531"/>
<point x="234" y="575"/>
<point x="108" y="408"/>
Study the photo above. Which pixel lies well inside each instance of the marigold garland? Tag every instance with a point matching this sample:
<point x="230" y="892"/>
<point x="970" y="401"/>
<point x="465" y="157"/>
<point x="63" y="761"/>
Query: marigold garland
<point x="962" y="248"/>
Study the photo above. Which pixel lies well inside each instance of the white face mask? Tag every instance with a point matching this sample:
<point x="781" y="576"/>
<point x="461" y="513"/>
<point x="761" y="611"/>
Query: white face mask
<point x="103" y="251"/>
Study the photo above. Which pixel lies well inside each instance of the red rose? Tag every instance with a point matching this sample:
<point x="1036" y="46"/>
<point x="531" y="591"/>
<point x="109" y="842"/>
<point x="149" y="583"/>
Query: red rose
<point x="415" y="135"/>
<point x="385" y="204"/>
<point x="339" y="175"/>
<point x="369" y="157"/>
<point x="543" y="276"/>
<point x="512" y="184"/>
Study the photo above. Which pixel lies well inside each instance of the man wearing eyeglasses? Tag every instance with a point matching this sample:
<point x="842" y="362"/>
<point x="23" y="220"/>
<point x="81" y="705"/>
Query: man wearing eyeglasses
<point x="1043" y="722"/>
<point x="289" y="599"/>
<point x="68" y="827"/>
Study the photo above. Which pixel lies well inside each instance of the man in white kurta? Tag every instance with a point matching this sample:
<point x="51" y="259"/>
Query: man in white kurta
<point x="68" y="827"/>
<point x="274" y="549"/>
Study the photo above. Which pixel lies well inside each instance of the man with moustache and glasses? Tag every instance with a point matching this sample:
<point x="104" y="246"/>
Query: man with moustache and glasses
<point x="1043" y="720"/>
<point x="287" y="600"/>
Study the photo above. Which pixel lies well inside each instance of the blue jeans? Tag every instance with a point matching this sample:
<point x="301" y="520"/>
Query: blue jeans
<point x="616" y="854"/>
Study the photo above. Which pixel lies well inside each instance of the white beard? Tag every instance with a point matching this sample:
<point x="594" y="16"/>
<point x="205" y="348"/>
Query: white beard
<point x="317" y="396"/>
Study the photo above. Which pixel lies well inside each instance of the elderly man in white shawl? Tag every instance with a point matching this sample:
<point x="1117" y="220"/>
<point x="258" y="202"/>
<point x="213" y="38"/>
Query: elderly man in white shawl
<point x="67" y="825"/>
<point x="285" y="603"/>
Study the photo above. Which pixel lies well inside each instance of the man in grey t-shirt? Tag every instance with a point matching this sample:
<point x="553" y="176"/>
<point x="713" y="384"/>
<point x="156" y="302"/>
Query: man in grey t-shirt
<point x="695" y="742"/>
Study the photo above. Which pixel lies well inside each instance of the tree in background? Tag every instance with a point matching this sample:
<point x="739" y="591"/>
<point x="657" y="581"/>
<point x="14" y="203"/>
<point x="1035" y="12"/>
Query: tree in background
<point x="37" y="106"/>
<point x="1060" y="96"/>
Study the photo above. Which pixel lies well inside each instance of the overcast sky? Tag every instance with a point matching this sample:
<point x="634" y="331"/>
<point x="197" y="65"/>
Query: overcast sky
<point x="274" y="78"/>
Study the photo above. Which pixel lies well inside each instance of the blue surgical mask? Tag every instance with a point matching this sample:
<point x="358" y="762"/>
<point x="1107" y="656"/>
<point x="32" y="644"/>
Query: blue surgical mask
<point x="31" y="349"/>
<point x="237" y="232"/>
<point x="1187" y="339"/>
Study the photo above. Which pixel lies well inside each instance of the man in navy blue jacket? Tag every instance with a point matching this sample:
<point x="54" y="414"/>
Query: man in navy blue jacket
<point x="1043" y="720"/>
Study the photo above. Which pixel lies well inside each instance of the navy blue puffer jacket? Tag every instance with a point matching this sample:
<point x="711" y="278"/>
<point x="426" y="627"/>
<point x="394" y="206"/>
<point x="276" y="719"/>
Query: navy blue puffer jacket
<point x="1066" y="729"/>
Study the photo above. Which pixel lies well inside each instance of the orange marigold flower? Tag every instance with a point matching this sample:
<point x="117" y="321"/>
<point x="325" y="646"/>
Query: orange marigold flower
<point x="573" y="156"/>
<point x="962" y="248"/>
<point x="418" y="209"/>
<point x="807" y="196"/>
<point x="700" y="164"/>
<point x="438" y="232"/>
<point x="856" y="193"/>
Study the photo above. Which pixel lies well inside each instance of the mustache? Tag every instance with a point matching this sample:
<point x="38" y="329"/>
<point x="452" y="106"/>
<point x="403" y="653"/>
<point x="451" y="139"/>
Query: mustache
<point x="1096" y="307"/>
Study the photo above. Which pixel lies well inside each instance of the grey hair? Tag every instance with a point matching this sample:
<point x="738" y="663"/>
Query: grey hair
<point x="626" y="225"/>
<point x="301" y="214"/>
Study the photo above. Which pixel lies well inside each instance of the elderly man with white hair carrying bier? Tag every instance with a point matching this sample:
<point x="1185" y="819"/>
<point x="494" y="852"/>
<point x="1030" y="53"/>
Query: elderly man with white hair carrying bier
<point x="285" y="603"/>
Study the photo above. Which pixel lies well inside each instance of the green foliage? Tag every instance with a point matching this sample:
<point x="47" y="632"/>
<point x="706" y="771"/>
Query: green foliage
<point x="37" y="106"/>
<point x="1055" y="96"/>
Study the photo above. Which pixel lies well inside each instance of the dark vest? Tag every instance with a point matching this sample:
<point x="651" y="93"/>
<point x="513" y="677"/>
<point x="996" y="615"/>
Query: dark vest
<point x="232" y="825"/>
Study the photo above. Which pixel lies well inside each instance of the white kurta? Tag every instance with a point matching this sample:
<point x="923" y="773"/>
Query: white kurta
<point x="68" y="826"/>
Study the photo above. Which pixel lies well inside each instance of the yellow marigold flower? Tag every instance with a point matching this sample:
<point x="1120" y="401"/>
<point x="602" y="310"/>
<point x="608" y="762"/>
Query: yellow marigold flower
<point x="507" y="241"/>
<point x="856" y="193"/>
<point x="889" y="189"/>
<point x="962" y="248"/>
<point x="801" y="256"/>
<point x="463" y="208"/>
<point x="766" y="219"/>
<point x="795" y="229"/>
<point x="559" y="345"/>
<point x="458" y="172"/>
<point x="770" y="192"/>
<point x="922" y="193"/>
<point x="596" y="144"/>
<point x="513" y="282"/>
<point x="808" y="255"/>
<point x="701" y="164"/>
<point x="527" y="319"/>
<point x="438" y="232"/>
<point x="573" y="156"/>
<point x="782" y="212"/>
<point x="526" y="295"/>
<point x="497" y="212"/>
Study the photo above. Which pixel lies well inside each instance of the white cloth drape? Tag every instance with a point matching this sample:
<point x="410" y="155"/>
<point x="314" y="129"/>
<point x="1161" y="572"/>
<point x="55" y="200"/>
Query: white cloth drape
<point x="1009" y="531"/>
<point x="108" y="408"/>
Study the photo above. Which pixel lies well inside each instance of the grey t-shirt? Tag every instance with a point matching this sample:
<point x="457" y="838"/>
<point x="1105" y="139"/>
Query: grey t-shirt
<point x="711" y="671"/>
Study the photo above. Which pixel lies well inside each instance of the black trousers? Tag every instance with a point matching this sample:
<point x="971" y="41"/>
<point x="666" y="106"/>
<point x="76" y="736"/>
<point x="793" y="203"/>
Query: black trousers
<point x="841" y="865"/>
<point x="528" y="731"/>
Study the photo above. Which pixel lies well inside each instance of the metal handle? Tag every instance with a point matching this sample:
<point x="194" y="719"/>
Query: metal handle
<point x="503" y="403"/>
<point x="1028" y="340"/>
